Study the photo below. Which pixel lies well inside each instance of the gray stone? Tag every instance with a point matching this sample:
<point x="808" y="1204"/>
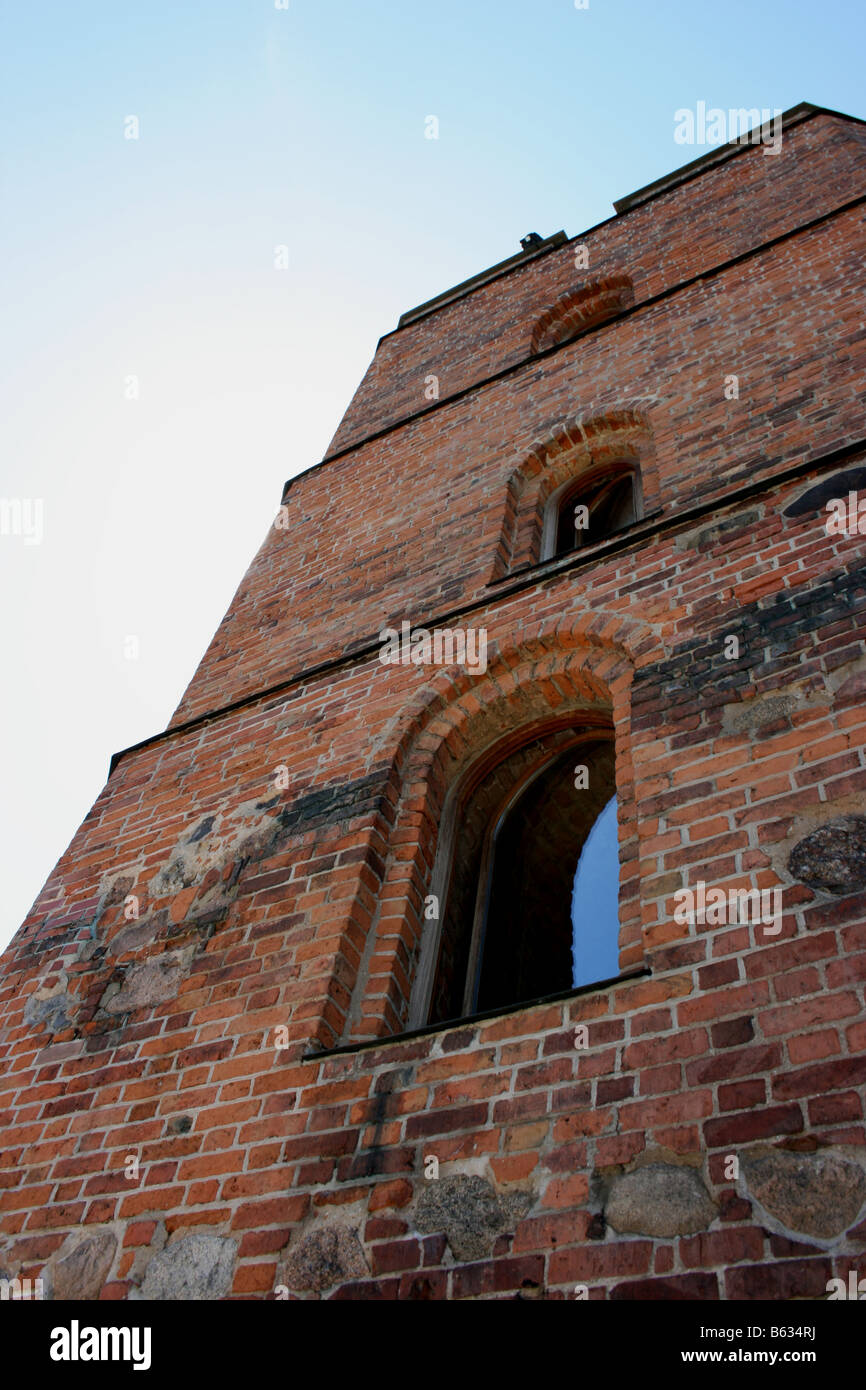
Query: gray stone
<point x="833" y="857"/>
<point x="151" y="982"/>
<point x="758" y="713"/>
<point x="174" y="876"/>
<point x="470" y="1211"/>
<point x="709" y="536"/>
<point x="325" y="1257"/>
<point x="813" y="1194"/>
<point x="121" y="886"/>
<point x="82" y="1273"/>
<point x="659" y="1199"/>
<point x="135" y="936"/>
<point x="52" y="1013"/>
<point x="195" y="1267"/>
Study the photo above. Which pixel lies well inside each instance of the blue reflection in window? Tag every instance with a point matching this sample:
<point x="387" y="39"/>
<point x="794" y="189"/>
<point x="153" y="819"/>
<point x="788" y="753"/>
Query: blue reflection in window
<point x="595" y="903"/>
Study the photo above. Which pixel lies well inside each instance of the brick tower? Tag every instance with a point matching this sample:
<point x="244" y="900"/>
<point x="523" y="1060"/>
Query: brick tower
<point x="306" y="1010"/>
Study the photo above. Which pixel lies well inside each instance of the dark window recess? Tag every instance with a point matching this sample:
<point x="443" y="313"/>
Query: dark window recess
<point x="515" y="927"/>
<point x="590" y="515"/>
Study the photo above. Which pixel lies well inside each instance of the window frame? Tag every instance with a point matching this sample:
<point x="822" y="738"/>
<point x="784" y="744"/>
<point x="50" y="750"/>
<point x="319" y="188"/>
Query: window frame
<point x="589" y="485"/>
<point x="587" y="730"/>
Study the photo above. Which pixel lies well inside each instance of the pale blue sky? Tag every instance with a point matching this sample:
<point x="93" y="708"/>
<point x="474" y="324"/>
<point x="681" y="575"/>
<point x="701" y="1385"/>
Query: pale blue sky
<point x="154" y="258"/>
<point x="595" y="903"/>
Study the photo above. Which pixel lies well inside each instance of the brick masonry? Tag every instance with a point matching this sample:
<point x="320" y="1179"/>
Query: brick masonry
<point x="247" y="892"/>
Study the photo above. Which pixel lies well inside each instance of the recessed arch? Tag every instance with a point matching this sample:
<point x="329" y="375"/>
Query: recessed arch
<point x="580" y="309"/>
<point x="562" y="668"/>
<point x="570" y="455"/>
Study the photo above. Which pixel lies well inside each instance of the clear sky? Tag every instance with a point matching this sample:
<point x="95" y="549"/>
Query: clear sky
<point x="595" y="904"/>
<point x="160" y="377"/>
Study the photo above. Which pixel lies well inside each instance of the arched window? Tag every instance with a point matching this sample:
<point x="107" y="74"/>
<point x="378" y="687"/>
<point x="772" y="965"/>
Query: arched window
<point x="531" y="907"/>
<point x="585" y="511"/>
<point x="604" y="463"/>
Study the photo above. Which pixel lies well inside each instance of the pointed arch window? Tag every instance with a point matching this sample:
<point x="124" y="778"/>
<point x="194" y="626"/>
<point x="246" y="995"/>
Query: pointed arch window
<point x="531" y="907"/>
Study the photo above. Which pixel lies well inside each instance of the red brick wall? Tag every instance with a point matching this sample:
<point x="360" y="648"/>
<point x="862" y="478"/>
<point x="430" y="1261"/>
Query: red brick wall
<point x="210" y="900"/>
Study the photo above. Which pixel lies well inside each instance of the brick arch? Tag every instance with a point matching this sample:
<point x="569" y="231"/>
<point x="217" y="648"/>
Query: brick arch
<point x="566" y="673"/>
<point x="580" y="446"/>
<point x="605" y="630"/>
<point x="580" y="309"/>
